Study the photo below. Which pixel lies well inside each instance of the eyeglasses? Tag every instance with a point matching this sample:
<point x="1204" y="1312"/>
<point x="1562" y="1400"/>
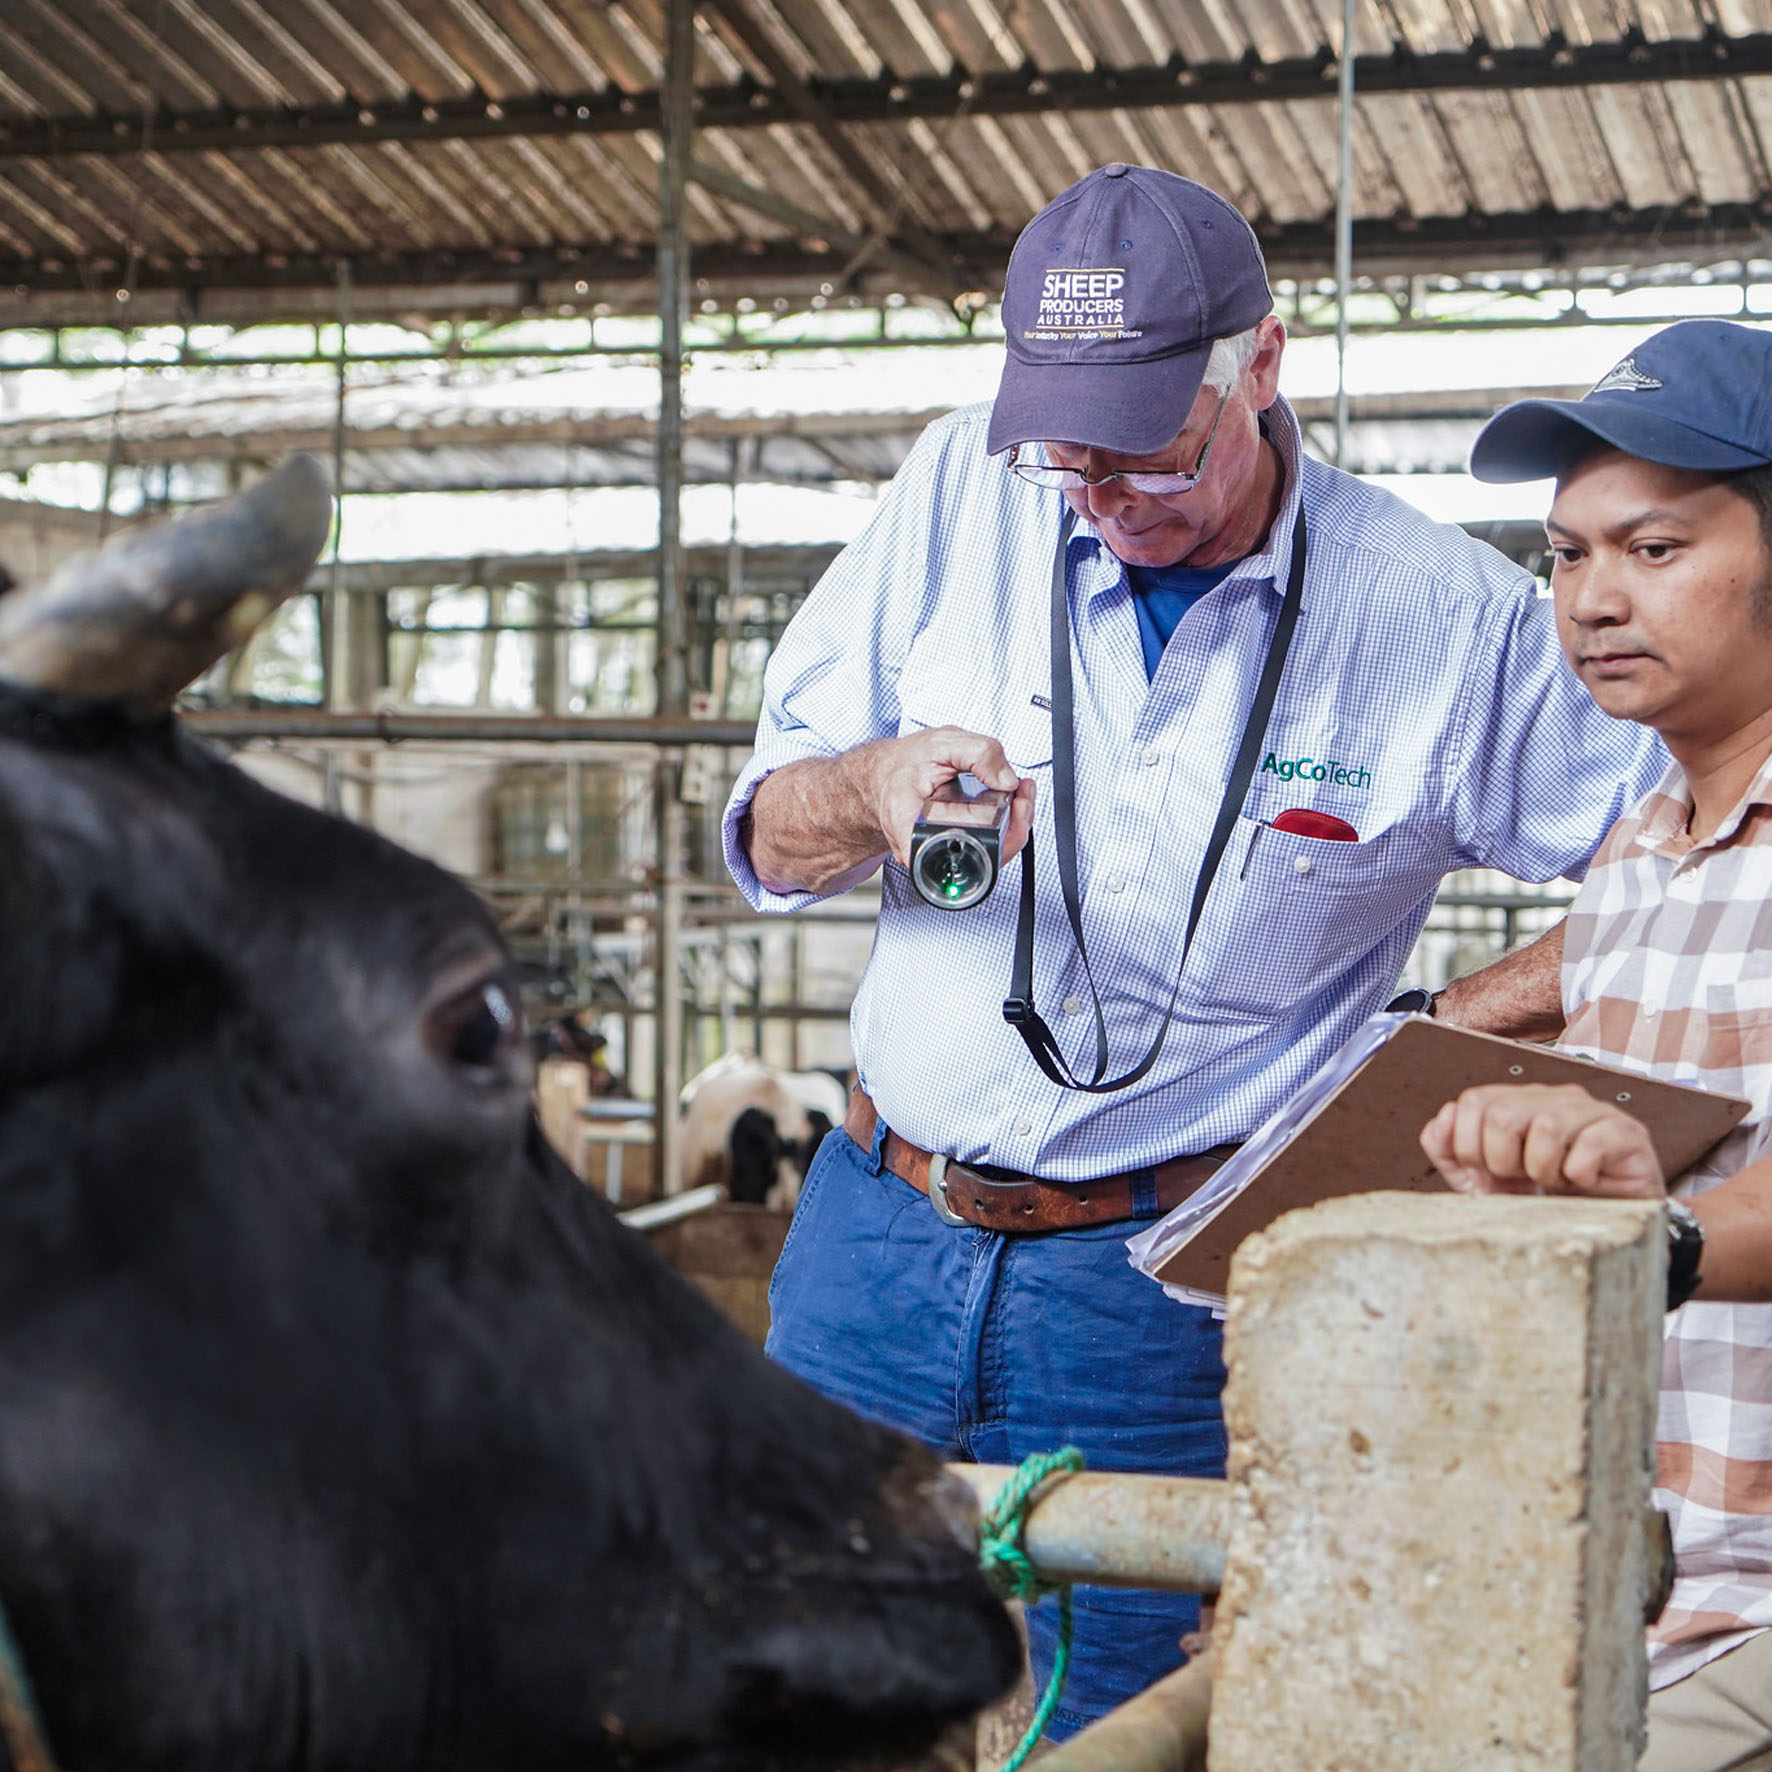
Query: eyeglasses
<point x="1157" y="485"/>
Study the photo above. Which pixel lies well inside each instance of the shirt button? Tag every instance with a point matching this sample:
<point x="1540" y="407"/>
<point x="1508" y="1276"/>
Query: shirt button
<point x="1073" y="1005"/>
<point x="1301" y="864"/>
<point x="1116" y="883"/>
<point x="1023" y="1128"/>
<point x="1648" y="1011"/>
<point x="1152" y="757"/>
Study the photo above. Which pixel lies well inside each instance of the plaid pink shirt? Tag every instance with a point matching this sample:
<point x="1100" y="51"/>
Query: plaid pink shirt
<point x="1667" y="969"/>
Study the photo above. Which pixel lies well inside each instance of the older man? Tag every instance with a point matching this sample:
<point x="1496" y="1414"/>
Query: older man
<point x="1252" y="712"/>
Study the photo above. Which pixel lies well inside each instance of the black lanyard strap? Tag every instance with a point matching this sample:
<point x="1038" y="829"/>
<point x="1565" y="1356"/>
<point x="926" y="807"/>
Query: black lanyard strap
<point x="1018" y="1007"/>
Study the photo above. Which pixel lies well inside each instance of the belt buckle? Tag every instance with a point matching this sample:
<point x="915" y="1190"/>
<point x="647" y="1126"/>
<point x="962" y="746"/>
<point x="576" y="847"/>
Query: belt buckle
<point x="938" y="1194"/>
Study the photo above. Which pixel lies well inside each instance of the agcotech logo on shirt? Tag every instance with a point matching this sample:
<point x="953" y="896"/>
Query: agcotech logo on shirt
<point x="1342" y="775"/>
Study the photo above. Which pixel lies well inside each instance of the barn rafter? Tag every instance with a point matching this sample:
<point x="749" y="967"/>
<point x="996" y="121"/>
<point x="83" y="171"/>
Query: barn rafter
<point x="505" y="278"/>
<point x="747" y="104"/>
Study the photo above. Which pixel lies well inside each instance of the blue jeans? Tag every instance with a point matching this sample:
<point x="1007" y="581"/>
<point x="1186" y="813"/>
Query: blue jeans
<point x="987" y="1348"/>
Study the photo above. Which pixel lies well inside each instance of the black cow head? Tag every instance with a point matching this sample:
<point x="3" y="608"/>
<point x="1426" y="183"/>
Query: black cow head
<point x="339" y="1426"/>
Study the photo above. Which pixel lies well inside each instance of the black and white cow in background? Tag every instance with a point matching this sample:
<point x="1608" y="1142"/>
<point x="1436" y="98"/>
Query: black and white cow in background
<point x="340" y="1427"/>
<point x="754" y="1130"/>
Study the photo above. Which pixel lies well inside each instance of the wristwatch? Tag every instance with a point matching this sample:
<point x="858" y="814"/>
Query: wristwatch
<point x="1685" y="1250"/>
<point x="1415" y="1002"/>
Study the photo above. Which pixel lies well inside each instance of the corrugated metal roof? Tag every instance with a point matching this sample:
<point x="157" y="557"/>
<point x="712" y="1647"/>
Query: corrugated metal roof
<point x="495" y="130"/>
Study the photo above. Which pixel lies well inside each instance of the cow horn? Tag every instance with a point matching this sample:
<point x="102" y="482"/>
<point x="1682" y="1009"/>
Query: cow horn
<point x="137" y="621"/>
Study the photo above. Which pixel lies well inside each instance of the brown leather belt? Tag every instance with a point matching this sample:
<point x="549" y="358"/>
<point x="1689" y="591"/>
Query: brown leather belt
<point x="1024" y="1203"/>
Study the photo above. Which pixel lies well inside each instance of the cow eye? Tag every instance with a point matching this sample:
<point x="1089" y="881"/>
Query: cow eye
<point x="479" y="1029"/>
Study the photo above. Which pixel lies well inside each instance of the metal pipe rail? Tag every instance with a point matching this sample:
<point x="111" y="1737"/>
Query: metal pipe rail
<point x="656" y="1214"/>
<point x="1114" y="1530"/>
<point x="1163" y="1729"/>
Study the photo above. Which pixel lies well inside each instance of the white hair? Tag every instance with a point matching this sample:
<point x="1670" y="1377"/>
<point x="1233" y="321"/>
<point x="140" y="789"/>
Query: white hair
<point x="1230" y="357"/>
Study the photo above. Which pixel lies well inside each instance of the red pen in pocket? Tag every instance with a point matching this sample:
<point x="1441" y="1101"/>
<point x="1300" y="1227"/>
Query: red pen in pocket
<point x="1306" y="821"/>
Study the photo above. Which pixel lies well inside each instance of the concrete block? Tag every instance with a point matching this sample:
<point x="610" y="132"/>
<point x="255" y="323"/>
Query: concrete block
<point x="1441" y="1416"/>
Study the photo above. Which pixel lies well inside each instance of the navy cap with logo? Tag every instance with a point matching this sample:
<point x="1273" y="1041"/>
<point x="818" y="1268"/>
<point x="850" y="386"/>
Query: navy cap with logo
<point x="1115" y="294"/>
<point x="1698" y="394"/>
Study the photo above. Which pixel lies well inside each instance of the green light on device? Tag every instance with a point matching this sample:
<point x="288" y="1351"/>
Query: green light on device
<point x="954" y="871"/>
<point x="955" y="845"/>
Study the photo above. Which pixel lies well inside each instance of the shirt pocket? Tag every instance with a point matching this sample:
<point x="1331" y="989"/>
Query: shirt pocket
<point x="946" y="696"/>
<point x="1288" y="916"/>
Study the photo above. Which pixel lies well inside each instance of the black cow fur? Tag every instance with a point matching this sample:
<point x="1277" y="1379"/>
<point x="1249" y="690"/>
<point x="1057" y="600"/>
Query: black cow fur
<point x="339" y="1426"/>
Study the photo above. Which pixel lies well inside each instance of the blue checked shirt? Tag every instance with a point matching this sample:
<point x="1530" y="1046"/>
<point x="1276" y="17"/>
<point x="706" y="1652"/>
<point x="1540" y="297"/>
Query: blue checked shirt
<point x="1425" y="701"/>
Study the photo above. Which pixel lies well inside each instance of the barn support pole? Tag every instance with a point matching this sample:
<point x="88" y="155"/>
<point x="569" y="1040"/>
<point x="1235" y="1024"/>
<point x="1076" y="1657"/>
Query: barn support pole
<point x="353" y="633"/>
<point x="759" y="1014"/>
<point x="677" y="132"/>
<point x="577" y="923"/>
<point x="335" y="634"/>
<point x="799" y="988"/>
<point x="1344" y="222"/>
<point x="546" y="646"/>
<point x="552" y="663"/>
<point x="728" y="643"/>
<point x="1442" y="1423"/>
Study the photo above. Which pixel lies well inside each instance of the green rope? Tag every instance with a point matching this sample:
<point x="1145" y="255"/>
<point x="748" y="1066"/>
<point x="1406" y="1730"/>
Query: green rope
<point x="1010" y="1572"/>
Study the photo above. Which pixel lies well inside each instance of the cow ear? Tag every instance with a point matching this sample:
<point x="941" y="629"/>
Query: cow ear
<point x="133" y="624"/>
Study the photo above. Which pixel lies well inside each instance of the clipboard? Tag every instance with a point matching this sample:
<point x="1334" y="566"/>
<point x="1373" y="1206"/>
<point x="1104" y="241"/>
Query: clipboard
<point x="1356" y="1128"/>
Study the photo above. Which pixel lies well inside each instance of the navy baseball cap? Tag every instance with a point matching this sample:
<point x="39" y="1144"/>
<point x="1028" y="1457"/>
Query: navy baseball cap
<point x="1115" y="293"/>
<point x="1696" y="395"/>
